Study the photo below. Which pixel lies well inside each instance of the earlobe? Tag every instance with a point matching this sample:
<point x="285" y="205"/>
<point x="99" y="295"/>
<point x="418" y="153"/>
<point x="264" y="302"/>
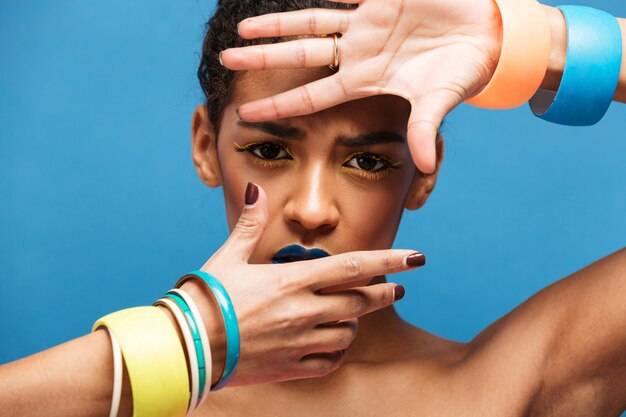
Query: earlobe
<point x="424" y="184"/>
<point x="204" y="147"/>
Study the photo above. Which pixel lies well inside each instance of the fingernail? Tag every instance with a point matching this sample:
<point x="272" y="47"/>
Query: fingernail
<point x="237" y="113"/>
<point x="252" y="194"/>
<point x="220" y="58"/>
<point x="398" y="292"/>
<point x="238" y="28"/>
<point x="416" y="259"/>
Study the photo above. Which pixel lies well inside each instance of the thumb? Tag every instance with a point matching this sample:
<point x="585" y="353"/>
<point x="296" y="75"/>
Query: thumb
<point x="250" y="226"/>
<point x="427" y="113"/>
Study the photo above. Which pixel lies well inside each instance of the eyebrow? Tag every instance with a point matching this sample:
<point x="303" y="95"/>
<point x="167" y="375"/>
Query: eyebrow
<point x="274" y="129"/>
<point x="372" y="138"/>
<point x="289" y="132"/>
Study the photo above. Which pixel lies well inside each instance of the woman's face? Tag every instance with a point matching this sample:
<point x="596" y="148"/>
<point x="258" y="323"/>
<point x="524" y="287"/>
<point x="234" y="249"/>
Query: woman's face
<point x="336" y="180"/>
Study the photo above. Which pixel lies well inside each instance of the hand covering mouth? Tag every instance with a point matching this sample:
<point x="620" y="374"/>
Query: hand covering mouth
<point x="294" y="253"/>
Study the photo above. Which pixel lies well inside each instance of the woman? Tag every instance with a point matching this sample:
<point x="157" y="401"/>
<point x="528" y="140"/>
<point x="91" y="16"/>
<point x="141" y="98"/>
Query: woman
<point x="526" y="363"/>
<point x="340" y="183"/>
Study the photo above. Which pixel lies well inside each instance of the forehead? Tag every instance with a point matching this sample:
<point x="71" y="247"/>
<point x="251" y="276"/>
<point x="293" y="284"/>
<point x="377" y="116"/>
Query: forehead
<point x="384" y="112"/>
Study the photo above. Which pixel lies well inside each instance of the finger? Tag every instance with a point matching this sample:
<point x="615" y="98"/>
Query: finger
<point x="320" y="364"/>
<point x="309" y="98"/>
<point x="357" y="302"/>
<point x="250" y="226"/>
<point x="299" y="22"/>
<point x="353" y="323"/>
<point x="331" y="338"/>
<point x="353" y="266"/>
<point x="427" y="113"/>
<point x="300" y="53"/>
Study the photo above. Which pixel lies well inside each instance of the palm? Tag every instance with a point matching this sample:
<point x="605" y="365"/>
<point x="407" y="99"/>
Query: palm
<point x="433" y="53"/>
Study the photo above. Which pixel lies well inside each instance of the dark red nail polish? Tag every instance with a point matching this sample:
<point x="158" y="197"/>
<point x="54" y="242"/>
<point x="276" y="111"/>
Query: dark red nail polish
<point x="398" y="292"/>
<point x="416" y="259"/>
<point x="252" y="193"/>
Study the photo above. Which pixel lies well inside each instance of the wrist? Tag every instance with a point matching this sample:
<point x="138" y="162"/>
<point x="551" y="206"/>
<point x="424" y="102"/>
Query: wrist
<point x="495" y="46"/>
<point x="212" y="318"/>
<point x="558" y="51"/>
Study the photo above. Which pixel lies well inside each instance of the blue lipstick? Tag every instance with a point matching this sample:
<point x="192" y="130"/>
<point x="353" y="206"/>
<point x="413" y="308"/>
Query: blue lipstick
<point x="293" y="253"/>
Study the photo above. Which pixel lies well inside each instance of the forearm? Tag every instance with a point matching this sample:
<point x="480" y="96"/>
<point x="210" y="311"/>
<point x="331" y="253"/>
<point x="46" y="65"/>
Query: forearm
<point x="568" y="338"/>
<point x="72" y="379"/>
<point x="589" y="346"/>
<point x="559" y="50"/>
<point x="76" y="377"/>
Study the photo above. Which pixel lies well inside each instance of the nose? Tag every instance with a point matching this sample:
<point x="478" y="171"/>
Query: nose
<point x="312" y="203"/>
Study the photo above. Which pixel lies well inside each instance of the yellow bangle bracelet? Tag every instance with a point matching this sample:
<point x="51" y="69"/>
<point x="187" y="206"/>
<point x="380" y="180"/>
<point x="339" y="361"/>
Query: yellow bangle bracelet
<point x="155" y="360"/>
<point x="526" y="43"/>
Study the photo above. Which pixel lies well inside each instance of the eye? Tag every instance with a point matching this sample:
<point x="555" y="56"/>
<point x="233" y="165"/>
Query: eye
<point x="368" y="162"/>
<point x="268" y="151"/>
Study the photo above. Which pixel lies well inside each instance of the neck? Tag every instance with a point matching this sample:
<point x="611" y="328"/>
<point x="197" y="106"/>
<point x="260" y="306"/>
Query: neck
<point x="382" y="337"/>
<point x="378" y="334"/>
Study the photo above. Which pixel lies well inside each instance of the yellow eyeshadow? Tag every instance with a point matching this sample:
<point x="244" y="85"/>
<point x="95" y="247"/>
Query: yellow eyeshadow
<point x="277" y="163"/>
<point x="269" y="163"/>
<point x="265" y="163"/>
<point x="244" y="148"/>
<point x="380" y="158"/>
<point x="248" y="147"/>
<point x="378" y="175"/>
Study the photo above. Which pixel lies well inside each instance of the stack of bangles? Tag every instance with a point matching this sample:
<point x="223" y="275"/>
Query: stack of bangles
<point x="167" y="378"/>
<point x="592" y="64"/>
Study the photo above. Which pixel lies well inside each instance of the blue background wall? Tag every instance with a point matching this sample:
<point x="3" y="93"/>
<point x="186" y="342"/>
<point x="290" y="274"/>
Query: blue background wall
<point x="101" y="209"/>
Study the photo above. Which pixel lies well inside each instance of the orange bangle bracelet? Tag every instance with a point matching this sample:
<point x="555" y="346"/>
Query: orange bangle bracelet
<point x="524" y="56"/>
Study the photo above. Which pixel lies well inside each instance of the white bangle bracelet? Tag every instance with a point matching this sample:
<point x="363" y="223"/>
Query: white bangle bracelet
<point x="204" y="338"/>
<point x="191" y="350"/>
<point x="117" y="373"/>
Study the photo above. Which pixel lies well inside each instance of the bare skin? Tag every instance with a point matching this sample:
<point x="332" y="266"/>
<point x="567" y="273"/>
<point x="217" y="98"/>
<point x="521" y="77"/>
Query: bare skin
<point x="434" y="54"/>
<point x="525" y="364"/>
<point x="538" y="360"/>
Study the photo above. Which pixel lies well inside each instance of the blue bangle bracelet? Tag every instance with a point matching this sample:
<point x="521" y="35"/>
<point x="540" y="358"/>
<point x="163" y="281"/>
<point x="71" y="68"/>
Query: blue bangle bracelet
<point x="195" y="332"/>
<point x="591" y="73"/>
<point x="230" y="324"/>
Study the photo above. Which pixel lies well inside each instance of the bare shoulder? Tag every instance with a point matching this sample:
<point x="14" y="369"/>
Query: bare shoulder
<point x="562" y="352"/>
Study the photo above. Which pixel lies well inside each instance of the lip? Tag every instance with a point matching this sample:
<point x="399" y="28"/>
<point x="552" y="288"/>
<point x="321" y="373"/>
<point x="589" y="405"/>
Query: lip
<point x="294" y="253"/>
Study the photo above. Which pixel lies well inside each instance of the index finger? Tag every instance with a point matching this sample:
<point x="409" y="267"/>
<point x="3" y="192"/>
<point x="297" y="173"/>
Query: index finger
<point x="354" y="266"/>
<point x="298" y="22"/>
<point x="306" y="99"/>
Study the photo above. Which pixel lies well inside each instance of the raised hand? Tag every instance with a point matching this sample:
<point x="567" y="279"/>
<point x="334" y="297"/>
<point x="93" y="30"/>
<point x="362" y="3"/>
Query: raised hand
<point x="433" y="53"/>
<point x="293" y="323"/>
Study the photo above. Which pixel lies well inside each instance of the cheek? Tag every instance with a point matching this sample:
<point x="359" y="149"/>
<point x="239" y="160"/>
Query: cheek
<point x="371" y="217"/>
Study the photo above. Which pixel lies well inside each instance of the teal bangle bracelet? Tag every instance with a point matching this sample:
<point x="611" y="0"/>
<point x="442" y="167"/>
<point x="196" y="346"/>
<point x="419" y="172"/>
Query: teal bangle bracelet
<point x="592" y="67"/>
<point x="195" y="332"/>
<point x="230" y="324"/>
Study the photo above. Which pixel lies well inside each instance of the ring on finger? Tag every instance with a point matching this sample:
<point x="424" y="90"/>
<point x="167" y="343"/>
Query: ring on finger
<point x="335" y="65"/>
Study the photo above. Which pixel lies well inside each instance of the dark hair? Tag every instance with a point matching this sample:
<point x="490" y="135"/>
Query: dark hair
<point x="221" y="33"/>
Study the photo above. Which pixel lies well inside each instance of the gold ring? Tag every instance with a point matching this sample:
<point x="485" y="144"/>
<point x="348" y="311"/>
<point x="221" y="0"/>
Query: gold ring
<point x="335" y="65"/>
